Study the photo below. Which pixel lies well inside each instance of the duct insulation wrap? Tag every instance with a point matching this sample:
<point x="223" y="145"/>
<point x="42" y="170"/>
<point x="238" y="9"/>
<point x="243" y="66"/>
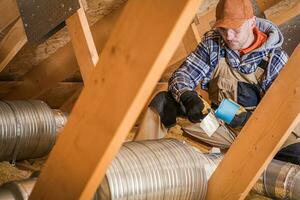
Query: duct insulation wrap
<point x="28" y="129"/>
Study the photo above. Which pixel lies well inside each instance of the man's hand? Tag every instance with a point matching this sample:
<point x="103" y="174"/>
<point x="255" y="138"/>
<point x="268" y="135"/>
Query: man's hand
<point x="194" y="106"/>
<point x="240" y="119"/>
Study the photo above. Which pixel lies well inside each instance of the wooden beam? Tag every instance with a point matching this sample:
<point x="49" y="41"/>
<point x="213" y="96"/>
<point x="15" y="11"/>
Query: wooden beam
<point x="12" y="43"/>
<point x="271" y="123"/>
<point x="69" y="104"/>
<point x="8" y="13"/>
<point x="83" y="43"/>
<point x="133" y="60"/>
<point x="179" y="54"/>
<point x="284" y="15"/>
<point x="61" y="64"/>
<point x="206" y="20"/>
<point x="189" y="39"/>
<point x="84" y="48"/>
<point x="57" y="96"/>
<point x="266" y="4"/>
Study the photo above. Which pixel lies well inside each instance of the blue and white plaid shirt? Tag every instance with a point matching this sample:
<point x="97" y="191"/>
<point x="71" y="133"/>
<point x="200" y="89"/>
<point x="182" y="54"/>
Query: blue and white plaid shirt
<point x="200" y="64"/>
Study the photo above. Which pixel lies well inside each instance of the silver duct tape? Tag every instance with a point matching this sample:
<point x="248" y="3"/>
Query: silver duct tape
<point x="28" y="129"/>
<point x="61" y="119"/>
<point x="280" y="180"/>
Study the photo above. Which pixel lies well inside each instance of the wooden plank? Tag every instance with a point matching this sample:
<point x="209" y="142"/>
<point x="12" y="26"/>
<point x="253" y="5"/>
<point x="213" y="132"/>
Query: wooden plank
<point x="83" y="43"/>
<point x="69" y="104"/>
<point x="206" y="20"/>
<point x="135" y="56"/>
<point x="196" y="33"/>
<point x="61" y="64"/>
<point x="265" y="4"/>
<point x="57" y="96"/>
<point x="179" y="54"/>
<point x="12" y="43"/>
<point x="284" y="15"/>
<point x="189" y="40"/>
<point x="8" y="13"/>
<point x="261" y="138"/>
<point x="84" y="49"/>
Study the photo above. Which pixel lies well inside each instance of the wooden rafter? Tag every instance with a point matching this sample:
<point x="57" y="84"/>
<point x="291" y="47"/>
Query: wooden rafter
<point x="83" y="43"/>
<point x="128" y="70"/>
<point x="61" y="64"/>
<point x="285" y="15"/>
<point x="85" y="51"/>
<point x="265" y="4"/>
<point x="269" y="126"/>
<point x="8" y="13"/>
<point x="12" y="43"/>
<point x="70" y="102"/>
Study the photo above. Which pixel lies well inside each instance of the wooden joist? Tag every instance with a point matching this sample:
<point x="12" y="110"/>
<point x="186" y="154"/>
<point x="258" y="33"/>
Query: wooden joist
<point x="61" y="64"/>
<point x="265" y="4"/>
<point x="12" y="43"/>
<point x="85" y="51"/>
<point x="9" y="12"/>
<point x="269" y="126"/>
<point x="189" y="39"/>
<point x="70" y="102"/>
<point x="129" y="67"/>
<point x="285" y="15"/>
<point x="83" y="43"/>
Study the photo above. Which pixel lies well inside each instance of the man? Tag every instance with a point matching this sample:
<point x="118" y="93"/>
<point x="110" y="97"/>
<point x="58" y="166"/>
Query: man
<point x="238" y="60"/>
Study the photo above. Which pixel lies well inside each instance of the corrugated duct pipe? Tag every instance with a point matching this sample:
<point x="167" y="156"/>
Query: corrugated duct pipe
<point x="169" y="169"/>
<point x="157" y="169"/>
<point x="281" y="180"/>
<point x="28" y="129"/>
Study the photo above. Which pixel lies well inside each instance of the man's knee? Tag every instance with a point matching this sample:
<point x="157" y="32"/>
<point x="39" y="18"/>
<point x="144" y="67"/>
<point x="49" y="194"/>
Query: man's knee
<point x="167" y="108"/>
<point x="290" y="154"/>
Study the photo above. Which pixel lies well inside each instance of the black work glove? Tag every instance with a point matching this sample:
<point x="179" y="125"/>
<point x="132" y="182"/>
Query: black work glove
<point x="240" y="119"/>
<point x="167" y="108"/>
<point x="194" y="106"/>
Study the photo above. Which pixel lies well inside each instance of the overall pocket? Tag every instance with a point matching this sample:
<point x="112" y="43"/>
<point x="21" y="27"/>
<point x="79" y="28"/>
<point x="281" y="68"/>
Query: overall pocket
<point x="248" y="95"/>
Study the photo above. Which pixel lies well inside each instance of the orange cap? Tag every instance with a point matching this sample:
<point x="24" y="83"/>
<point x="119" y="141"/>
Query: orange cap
<point x="233" y="13"/>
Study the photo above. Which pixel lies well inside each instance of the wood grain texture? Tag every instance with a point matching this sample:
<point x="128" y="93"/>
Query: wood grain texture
<point x="82" y="42"/>
<point x="130" y="65"/>
<point x="12" y="43"/>
<point x="8" y="13"/>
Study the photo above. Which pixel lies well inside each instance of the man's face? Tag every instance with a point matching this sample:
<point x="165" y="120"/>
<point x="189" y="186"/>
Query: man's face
<point x="237" y="39"/>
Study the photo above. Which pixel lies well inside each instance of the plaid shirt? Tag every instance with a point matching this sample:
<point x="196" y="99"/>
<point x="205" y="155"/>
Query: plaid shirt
<point x="200" y="64"/>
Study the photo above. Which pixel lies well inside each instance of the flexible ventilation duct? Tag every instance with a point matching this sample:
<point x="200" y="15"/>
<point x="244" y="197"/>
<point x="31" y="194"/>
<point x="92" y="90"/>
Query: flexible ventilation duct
<point x="157" y="169"/>
<point x="281" y="180"/>
<point x="27" y="129"/>
<point x="169" y="169"/>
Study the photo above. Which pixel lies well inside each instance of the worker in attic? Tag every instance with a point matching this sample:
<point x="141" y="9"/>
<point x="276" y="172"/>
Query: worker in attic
<point x="236" y="63"/>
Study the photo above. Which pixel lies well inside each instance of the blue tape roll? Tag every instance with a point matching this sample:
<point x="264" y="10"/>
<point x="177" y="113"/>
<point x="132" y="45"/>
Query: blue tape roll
<point x="227" y="110"/>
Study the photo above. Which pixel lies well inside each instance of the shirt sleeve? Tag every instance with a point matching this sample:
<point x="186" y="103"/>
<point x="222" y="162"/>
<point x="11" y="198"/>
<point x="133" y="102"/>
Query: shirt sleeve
<point x="278" y="60"/>
<point x="193" y="70"/>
